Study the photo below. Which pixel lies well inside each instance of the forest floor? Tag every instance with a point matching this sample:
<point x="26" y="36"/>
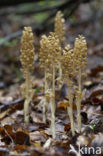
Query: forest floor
<point x="35" y="138"/>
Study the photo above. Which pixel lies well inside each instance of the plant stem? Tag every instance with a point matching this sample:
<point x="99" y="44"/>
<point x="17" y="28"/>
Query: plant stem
<point x="52" y="103"/>
<point x="26" y="110"/>
<point x="79" y="102"/>
<point x="70" y="107"/>
<point x="79" y="80"/>
<point x="28" y="99"/>
<point x="45" y="104"/>
<point x="60" y="72"/>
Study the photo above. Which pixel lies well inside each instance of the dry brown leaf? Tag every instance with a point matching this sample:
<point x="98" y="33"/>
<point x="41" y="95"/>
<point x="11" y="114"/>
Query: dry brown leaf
<point x="22" y="137"/>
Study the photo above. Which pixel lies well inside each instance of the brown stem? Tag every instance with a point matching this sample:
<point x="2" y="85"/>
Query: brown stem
<point x="53" y="105"/>
<point x="78" y="103"/>
<point x="45" y="107"/>
<point x="79" y="80"/>
<point x="28" y="99"/>
<point x="70" y="107"/>
<point x="60" y="73"/>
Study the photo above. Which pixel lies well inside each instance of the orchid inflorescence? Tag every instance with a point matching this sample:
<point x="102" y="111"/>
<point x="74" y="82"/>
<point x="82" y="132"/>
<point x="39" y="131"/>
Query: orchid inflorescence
<point x="71" y="63"/>
<point x="27" y="62"/>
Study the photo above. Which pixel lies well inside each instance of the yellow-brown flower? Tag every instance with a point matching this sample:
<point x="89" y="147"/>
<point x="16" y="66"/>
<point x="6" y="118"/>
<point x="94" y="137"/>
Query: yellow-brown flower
<point x="80" y="53"/>
<point x="54" y="49"/>
<point x="27" y="50"/>
<point x="67" y="62"/>
<point x="44" y="51"/>
<point x="59" y="26"/>
<point x="49" y="51"/>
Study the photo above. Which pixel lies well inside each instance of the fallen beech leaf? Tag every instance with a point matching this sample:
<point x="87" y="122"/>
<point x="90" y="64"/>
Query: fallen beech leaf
<point x="36" y="126"/>
<point x="36" y="136"/>
<point x="22" y="137"/>
<point x="64" y="105"/>
<point x="11" y="110"/>
<point x="20" y="148"/>
<point x="67" y="127"/>
<point x="1" y="130"/>
<point x="3" y="114"/>
<point x="7" y="134"/>
<point x="94" y="92"/>
<point x="48" y="131"/>
<point x="96" y="101"/>
<point x="8" y="128"/>
<point x="97" y="92"/>
<point x="8" y="120"/>
<point x="96" y="70"/>
<point x="4" y="151"/>
<point x="62" y="148"/>
<point x="18" y="106"/>
<point x="62" y="144"/>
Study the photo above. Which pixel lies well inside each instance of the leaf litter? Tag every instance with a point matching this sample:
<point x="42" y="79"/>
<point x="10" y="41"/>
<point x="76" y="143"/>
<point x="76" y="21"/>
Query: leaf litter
<point x="35" y="138"/>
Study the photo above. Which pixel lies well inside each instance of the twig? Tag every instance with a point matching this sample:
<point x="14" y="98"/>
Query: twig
<point x="8" y="135"/>
<point x="12" y="103"/>
<point x="5" y="3"/>
<point x="5" y="105"/>
<point x="29" y="12"/>
<point x="39" y="10"/>
<point x="19" y="33"/>
<point x="41" y="26"/>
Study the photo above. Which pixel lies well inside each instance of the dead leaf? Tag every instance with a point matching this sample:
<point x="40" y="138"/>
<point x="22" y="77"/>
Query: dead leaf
<point x="4" y="114"/>
<point x="67" y="127"/>
<point x="22" y="138"/>
<point x="63" y="106"/>
<point x="36" y="136"/>
<point x="4" y="151"/>
<point x="95" y="71"/>
<point x="21" y="148"/>
<point x="7" y="134"/>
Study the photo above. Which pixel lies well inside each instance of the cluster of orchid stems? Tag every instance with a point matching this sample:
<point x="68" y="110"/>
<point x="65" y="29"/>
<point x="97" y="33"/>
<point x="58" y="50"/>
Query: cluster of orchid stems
<point x="49" y="56"/>
<point x="55" y="59"/>
<point x="73" y="62"/>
